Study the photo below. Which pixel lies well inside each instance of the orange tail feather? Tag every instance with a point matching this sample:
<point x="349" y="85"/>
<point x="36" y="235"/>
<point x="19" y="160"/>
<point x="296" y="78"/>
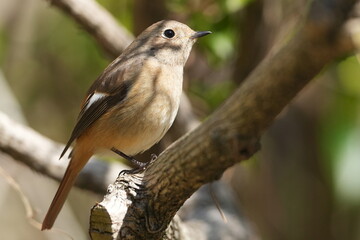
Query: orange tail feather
<point x="76" y="164"/>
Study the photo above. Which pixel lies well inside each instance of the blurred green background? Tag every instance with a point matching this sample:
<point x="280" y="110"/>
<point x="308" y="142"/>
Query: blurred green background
<point x="304" y="184"/>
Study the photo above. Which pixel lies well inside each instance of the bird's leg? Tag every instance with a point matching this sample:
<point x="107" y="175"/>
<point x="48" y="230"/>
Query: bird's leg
<point x="129" y="158"/>
<point x="140" y="166"/>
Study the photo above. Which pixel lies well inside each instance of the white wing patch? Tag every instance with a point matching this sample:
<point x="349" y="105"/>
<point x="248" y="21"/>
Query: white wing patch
<point x="95" y="97"/>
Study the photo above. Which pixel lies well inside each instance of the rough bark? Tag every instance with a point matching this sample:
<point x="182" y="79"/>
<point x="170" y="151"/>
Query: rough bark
<point x="149" y="201"/>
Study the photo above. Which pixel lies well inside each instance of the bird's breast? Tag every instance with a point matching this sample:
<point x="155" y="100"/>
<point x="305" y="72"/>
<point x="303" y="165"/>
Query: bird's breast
<point x="150" y="110"/>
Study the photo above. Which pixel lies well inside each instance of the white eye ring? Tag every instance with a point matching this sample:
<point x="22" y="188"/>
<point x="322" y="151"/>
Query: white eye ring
<point x="168" y="33"/>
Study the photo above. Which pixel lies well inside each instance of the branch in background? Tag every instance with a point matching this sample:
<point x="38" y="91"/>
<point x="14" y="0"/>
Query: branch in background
<point x="254" y="39"/>
<point x="111" y="36"/>
<point x="147" y="12"/>
<point x="142" y="206"/>
<point x="42" y="155"/>
<point x="263" y="25"/>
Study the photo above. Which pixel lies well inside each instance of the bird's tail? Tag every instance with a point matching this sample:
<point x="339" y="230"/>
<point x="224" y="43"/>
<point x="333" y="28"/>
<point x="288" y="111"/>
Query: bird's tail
<point x="77" y="162"/>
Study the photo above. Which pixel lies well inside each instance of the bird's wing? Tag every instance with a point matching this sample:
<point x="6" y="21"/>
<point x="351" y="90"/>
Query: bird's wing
<point x="108" y="90"/>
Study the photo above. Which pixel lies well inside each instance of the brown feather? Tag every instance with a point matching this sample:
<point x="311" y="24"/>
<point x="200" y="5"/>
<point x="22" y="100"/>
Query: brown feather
<point x="77" y="162"/>
<point x="112" y="83"/>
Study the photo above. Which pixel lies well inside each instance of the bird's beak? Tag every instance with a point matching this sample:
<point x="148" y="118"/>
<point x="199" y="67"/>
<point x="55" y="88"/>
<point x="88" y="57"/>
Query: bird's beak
<point x="200" y="34"/>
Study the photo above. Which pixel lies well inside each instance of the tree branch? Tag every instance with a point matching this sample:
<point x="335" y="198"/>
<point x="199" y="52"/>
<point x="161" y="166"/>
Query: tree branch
<point x="110" y="35"/>
<point x="149" y="201"/>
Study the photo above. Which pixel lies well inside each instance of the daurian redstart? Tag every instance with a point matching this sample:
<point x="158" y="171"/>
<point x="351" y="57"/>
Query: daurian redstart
<point x="132" y="104"/>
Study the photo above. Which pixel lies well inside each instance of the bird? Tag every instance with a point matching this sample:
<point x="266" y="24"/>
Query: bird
<point x="132" y="104"/>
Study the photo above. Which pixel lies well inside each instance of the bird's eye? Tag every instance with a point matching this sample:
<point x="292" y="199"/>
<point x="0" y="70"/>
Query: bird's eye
<point x="169" y="33"/>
